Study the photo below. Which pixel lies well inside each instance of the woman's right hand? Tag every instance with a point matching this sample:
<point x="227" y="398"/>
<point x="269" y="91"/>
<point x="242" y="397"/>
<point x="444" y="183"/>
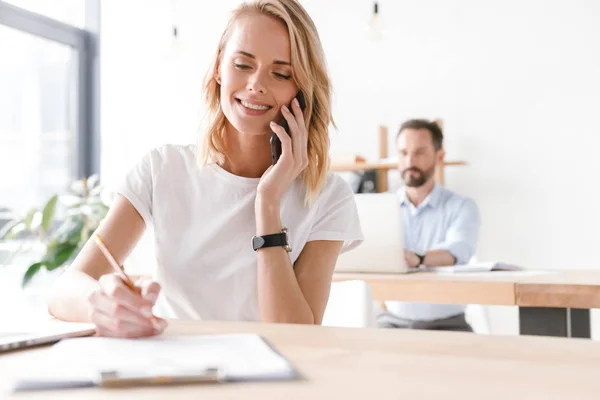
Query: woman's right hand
<point x="119" y="312"/>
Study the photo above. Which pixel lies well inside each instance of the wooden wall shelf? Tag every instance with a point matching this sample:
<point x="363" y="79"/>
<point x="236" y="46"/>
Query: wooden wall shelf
<point x="384" y="164"/>
<point x="377" y="165"/>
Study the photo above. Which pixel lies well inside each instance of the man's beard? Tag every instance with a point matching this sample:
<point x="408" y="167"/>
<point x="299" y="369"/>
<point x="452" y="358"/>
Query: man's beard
<point x="420" y="178"/>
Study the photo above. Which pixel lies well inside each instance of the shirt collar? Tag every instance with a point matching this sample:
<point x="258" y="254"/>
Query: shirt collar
<point x="433" y="199"/>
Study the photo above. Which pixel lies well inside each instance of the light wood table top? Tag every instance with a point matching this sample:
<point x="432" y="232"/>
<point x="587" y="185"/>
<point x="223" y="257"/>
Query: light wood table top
<point x="359" y="363"/>
<point x="429" y="287"/>
<point x="566" y="289"/>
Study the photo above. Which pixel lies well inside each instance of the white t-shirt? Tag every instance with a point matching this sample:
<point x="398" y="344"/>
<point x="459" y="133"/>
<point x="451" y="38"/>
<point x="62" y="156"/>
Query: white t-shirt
<point x="203" y="221"/>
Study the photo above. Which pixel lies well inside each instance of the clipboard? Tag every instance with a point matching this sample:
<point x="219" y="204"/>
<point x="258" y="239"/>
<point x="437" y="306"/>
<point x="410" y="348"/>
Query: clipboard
<point x="124" y="378"/>
<point x="127" y="378"/>
<point x="169" y="360"/>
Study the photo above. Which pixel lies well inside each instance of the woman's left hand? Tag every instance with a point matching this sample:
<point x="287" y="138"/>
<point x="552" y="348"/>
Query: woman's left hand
<point x="294" y="156"/>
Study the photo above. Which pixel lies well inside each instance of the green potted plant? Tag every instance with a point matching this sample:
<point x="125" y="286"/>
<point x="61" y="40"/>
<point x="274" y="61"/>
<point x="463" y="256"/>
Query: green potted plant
<point x="62" y="226"/>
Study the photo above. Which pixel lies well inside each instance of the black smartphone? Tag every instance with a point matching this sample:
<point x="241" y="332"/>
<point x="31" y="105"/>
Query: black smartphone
<point x="275" y="142"/>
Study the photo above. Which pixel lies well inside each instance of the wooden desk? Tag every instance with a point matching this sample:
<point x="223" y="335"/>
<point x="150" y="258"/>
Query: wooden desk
<point x="351" y="363"/>
<point x="551" y="303"/>
<point x="429" y="287"/>
<point x="573" y="289"/>
<point x="558" y="304"/>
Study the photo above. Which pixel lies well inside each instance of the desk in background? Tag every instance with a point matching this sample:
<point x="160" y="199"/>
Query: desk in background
<point x="560" y="301"/>
<point x="551" y="303"/>
<point x="352" y="363"/>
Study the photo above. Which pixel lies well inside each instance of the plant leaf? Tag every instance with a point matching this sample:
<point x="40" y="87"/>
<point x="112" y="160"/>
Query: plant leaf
<point x="57" y="256"/>
<point x="92" y="181"/>
<point x="86" y="210"/>
<point x="29" y="217"/>
<point x="96" y="191"/>
<point x="73" y="236"/>
<point x="48" y="213"/>
<point x="68" y="229"/>
<point x="31" y="271"/>
<point x="92" y="230"/>
<point x="77" y="187"/>
<point x="98" y="203"/>
<point x="52" y="243"/>
<point x="12" y="232"/>
<point x="36" y="221"/>
<point x="70" y="200"/>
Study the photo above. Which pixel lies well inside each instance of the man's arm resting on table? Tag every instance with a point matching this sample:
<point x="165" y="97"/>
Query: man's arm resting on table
<point x="432" y="258"/>
<point x="460" y="242"/>
<point x="435" y="258"/>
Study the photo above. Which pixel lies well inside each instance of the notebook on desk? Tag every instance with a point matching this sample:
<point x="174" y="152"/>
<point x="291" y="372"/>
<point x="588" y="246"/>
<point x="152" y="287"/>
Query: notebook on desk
<point x="474" y="267"/>
<point x="98" y="361"/>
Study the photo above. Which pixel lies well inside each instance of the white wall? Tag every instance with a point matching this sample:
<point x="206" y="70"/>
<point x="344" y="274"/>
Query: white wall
<point x="516" y="83"/>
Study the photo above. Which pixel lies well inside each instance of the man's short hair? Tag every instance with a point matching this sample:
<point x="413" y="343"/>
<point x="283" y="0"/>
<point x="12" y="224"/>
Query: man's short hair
<point x="436" y="132"/>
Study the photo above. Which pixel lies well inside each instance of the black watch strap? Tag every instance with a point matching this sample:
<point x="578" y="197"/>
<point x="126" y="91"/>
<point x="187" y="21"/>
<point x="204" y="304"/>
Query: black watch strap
<point x="273" y="240"/>
<point x="421" y="258"/>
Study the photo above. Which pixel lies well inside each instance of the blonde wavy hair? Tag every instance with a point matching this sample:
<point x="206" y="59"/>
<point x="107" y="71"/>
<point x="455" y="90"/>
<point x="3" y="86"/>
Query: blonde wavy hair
<point x="310" y="74"/>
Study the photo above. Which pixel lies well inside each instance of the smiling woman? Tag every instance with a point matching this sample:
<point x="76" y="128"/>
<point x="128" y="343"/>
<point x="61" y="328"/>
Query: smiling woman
<point x="266" y="74"/>
<point x="237" y="237"/>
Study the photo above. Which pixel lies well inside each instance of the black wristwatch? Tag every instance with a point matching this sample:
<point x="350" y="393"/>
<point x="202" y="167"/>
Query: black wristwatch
<point x="274" y="240"/>
<point x="421" y="258"/>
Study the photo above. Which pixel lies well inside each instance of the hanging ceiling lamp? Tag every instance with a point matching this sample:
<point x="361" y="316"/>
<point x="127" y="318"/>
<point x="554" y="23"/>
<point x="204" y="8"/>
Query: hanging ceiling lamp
<point x="374" y="25"/>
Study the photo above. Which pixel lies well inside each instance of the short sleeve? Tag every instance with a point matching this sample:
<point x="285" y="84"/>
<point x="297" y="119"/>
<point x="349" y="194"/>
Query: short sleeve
<point x="137" y="187"/>
<point x="337" y="217"/>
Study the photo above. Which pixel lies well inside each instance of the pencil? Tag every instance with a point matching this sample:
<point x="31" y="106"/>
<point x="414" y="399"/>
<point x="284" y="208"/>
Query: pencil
<point x="116" y="267"/>
<point x="113" y="263"/>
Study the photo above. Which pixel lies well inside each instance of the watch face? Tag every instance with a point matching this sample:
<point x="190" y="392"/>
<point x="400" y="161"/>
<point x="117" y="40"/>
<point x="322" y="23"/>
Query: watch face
<point x="257" y="242"/>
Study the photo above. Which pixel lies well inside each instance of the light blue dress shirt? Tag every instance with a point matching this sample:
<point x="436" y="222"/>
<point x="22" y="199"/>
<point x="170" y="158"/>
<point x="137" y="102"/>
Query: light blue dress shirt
<point x="443" y="221"/>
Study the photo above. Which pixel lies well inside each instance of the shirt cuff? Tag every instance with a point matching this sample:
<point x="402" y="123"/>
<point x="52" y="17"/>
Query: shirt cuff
<point x="460" y="251"/>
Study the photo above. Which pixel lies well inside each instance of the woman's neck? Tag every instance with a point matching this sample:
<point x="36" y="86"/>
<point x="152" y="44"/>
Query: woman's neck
<point x="247" y="156"/>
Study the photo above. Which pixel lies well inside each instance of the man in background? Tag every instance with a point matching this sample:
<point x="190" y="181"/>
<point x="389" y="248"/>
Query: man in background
<point x="440" y="228"/>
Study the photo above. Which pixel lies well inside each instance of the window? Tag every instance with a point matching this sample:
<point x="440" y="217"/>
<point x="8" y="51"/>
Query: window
<point x="48" y="116"/>
<point x="37" y="118"/>
<point x="48" y="101"/>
